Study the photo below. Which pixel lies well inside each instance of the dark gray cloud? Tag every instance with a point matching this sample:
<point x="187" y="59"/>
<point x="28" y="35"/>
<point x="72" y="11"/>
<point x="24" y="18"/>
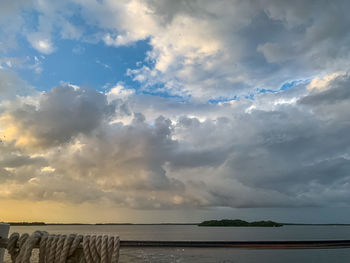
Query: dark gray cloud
<point x="338" y="91"/>
<point x="61" y="114"/>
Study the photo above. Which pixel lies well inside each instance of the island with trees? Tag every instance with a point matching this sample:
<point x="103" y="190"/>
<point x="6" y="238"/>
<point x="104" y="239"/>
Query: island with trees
<point x="240" y="223"/>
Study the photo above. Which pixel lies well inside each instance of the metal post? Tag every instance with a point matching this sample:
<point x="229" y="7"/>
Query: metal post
<point x="4" y="231"/>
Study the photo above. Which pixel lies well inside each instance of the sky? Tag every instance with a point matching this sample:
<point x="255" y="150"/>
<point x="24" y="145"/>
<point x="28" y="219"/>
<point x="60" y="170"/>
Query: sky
<point x="149" y="111"/>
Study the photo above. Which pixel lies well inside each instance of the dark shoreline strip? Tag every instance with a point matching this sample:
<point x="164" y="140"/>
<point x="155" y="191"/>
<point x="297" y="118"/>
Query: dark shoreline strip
<point x="315" y="244"/>
<point x="241" y="244"/>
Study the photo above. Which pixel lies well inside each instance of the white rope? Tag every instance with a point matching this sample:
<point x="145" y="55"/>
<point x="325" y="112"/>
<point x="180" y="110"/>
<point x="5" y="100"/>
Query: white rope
<point x="63" y="248"/>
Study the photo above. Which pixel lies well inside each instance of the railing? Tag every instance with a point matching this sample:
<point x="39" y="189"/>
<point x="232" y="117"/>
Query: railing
<point x="316" y="244"/>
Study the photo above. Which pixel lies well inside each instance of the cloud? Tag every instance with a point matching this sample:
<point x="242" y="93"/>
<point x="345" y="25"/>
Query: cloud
<point x="275" y="155"/>
<point x="276" y="53"/>
<point x="119" y="92"/>
<point x="12" y="85"/>
<point x="52" y="22"/>
<point x="322" y="83"/>
<point x="59" y="114"/>
<point x="11" y="22"/>
<point x="70" y="31"/>
<point x="329" y="90"/>
<point x="41" y="43"/>
<point x="201" y="50"/>
<point x="10" y="7"/>
<point x="228" y="49"/>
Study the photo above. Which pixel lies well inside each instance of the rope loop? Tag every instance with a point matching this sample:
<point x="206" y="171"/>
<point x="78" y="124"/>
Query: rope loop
<point x="64" y="248"/>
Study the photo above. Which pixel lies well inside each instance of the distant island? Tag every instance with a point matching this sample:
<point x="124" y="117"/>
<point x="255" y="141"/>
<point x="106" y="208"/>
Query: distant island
<point x="26" y="223"/>
<point x="238" y="222"/>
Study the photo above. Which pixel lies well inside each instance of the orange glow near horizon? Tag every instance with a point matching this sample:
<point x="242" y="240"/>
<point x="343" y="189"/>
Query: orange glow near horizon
<point x="89" y="213"/>
<point x="55" y="212"/>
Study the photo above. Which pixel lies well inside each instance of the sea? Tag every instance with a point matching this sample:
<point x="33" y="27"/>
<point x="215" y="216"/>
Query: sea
<point x="204" y="255"/>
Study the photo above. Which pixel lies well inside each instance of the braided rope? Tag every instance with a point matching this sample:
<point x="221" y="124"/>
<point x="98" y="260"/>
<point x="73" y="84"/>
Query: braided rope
<point x="63" y="248"/>
<point x="49" y="241"/>
<point x="94" y="252"/>
<point x="115" y="252"/>
<point x="110" y="245"/>
<point x="51" y="257"/>
<point x="42" y="247"/>
<point x="86" y="249"/>
<point x="21" y="242"/>
<point x="103" y="251"/>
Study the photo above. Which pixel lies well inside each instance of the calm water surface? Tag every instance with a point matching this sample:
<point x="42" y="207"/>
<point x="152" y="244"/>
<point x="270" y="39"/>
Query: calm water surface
<point x="191" y="232"/>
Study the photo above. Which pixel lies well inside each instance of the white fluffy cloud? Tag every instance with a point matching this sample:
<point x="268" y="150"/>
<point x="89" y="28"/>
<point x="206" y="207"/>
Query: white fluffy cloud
<point x="222" y="49"/>
<point x="41" y="43"/>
